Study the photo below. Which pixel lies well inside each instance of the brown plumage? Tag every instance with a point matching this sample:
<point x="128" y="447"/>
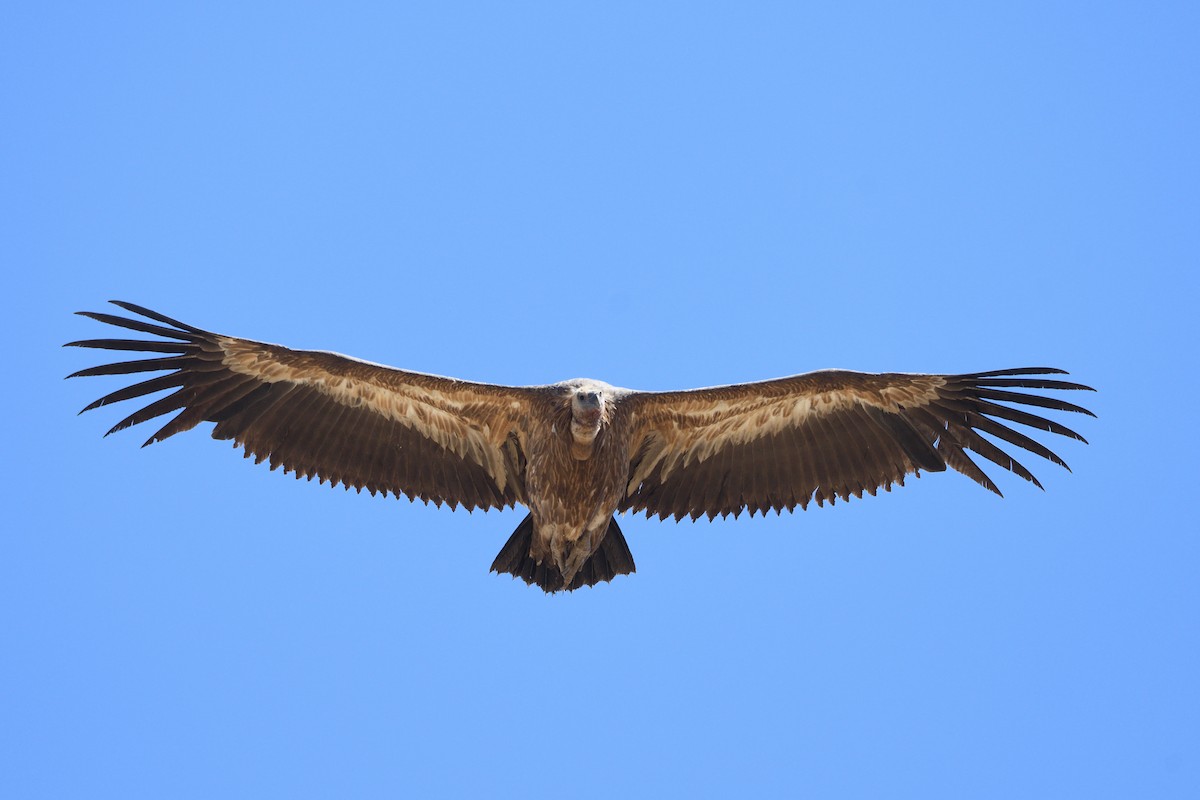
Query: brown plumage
<point x="577" y="452"/>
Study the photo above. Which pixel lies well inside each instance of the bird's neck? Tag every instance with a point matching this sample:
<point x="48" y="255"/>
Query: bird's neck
<point x="583" y="439"/>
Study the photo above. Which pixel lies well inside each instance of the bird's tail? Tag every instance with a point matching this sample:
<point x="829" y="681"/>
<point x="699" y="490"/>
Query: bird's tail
<point x="612" y="558"/>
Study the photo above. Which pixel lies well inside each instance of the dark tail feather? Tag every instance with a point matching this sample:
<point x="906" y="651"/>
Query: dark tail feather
<point x="612" y="558"/>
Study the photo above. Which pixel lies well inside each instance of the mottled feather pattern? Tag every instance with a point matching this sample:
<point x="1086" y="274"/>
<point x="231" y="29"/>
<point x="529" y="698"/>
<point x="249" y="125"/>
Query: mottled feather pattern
<point x="828" y="435"/>
<point x="579" y="451"/>
<point x="327" y="416"/>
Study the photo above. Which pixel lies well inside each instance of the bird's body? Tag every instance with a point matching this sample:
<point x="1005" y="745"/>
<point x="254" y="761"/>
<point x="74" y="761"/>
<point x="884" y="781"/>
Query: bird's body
<point x="578" y="452"/>
<point x="575" y="475"/>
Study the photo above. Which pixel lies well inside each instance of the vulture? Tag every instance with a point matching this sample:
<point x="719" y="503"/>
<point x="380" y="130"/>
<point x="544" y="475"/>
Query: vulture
<point x="578" y="452"/>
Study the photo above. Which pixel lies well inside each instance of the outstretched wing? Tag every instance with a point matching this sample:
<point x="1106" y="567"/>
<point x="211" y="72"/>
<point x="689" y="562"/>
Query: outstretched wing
<point x="826" y="435"/>
<point x="328" y="416"/>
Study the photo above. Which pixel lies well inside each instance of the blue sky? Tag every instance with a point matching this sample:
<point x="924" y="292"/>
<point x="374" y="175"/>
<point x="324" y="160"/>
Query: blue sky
<point x="659" y="197"/>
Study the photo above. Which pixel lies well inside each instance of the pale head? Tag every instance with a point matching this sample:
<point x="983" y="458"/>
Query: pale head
<point x="587" y="405"/>
<point x="590" y="401"/>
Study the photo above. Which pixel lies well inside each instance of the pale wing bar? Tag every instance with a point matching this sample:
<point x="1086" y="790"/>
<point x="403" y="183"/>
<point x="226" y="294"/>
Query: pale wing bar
<point x="294" y="425"/>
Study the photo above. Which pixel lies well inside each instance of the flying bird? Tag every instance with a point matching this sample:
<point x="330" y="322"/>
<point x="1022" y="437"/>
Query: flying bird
<point x="578" y="452"/>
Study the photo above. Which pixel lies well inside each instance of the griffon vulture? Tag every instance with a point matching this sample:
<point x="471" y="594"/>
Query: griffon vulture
<point x="577" y="452"/>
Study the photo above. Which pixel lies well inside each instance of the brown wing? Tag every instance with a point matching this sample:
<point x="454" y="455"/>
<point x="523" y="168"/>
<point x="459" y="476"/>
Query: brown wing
<point x="824" y="436"/>
<point x="329" y="416"/>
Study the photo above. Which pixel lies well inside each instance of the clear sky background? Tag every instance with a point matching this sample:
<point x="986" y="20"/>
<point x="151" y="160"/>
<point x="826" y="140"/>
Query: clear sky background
<point x="659" y="195"/>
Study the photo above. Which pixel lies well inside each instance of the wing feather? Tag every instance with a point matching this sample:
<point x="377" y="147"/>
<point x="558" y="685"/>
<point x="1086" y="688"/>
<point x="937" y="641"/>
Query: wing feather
<point x="130" y="367"/>
<point x="139" y="345"/>
<point x="858" y="455"/>
<point x="327" y="416"/>
<point x="141" y="389"/>
<point x="827" y="436"/>
<point x="141" y="327"/>
<point x="164" y="405"/>
<point x="807" y="470"/>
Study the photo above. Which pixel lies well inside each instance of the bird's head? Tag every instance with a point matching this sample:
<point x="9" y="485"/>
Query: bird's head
<point x="587" y="406"/>
<point x="589" y="413"/>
